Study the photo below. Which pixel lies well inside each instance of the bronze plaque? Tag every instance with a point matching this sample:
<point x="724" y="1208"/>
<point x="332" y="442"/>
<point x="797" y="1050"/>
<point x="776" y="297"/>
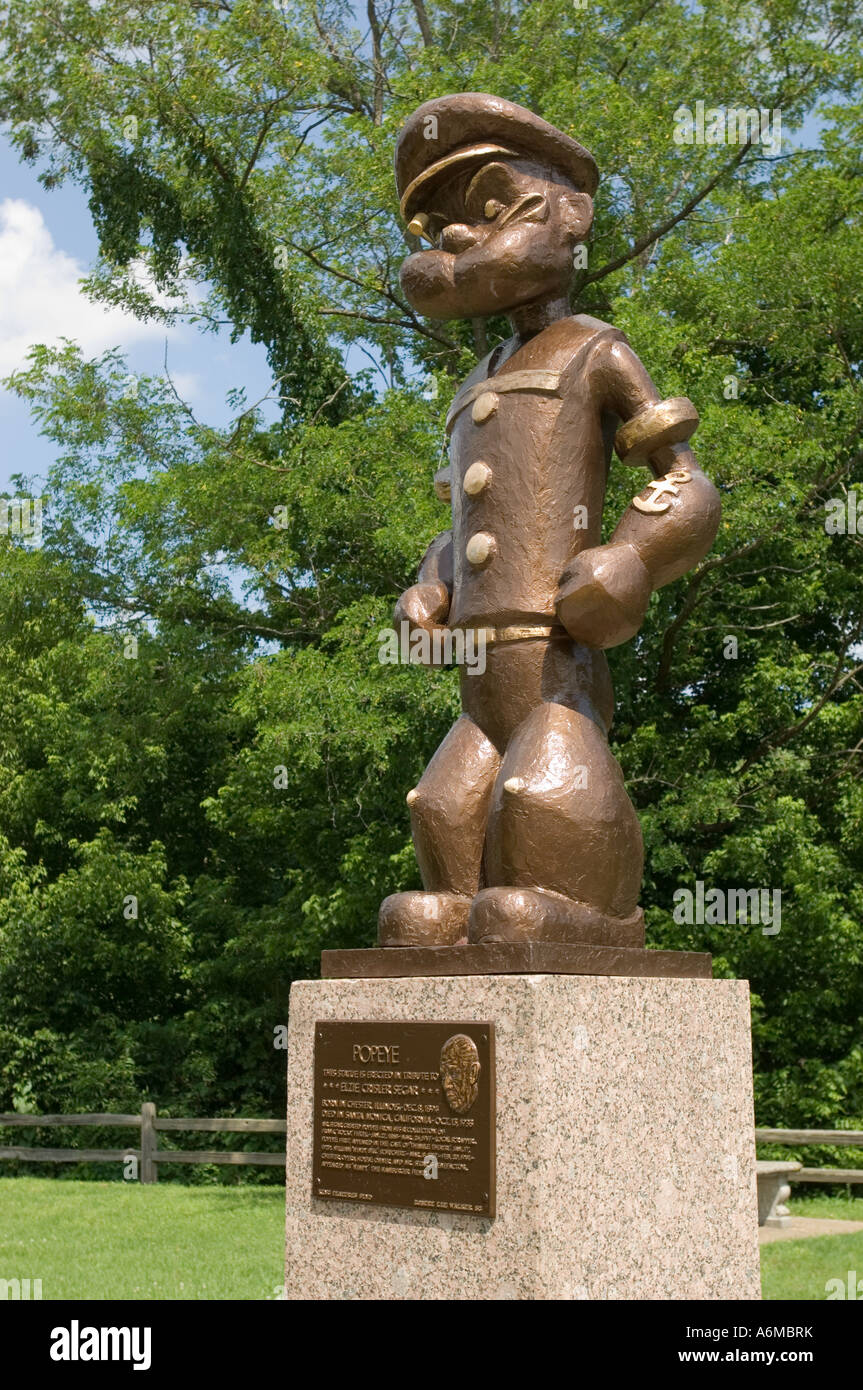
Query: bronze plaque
<point x="404" y="1115"/>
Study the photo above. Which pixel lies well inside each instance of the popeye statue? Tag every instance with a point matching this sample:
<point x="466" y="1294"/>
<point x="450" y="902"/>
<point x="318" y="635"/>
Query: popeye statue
<point x="521" y="823"/>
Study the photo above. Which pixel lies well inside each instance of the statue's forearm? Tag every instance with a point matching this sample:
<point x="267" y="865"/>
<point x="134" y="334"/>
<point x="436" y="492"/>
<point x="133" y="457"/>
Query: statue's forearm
<point x="667" y="528"/>
<point x="426" y="604"/>
<point x="436" y="566"/>
<point x="672" y="522"/>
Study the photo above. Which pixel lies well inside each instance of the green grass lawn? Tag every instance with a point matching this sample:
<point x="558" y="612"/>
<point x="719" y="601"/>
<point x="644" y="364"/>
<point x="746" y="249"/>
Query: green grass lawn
<point x="122" y="1240"/>
<point x="839" y="1208"/>
<point x="800" y="1269"/>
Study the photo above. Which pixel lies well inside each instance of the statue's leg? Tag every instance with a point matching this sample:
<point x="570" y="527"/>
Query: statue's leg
<point x="564" y="854"/>
<point x="449" y="811"/>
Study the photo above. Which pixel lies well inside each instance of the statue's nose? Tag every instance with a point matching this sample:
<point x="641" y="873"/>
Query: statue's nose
<point x="458" y="236"/>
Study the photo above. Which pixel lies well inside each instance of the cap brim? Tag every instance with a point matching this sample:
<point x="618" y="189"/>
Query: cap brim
<point x="449" y="164"/>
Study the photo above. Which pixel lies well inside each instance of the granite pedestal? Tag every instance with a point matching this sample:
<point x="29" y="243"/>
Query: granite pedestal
<point x="625" y="1146"/>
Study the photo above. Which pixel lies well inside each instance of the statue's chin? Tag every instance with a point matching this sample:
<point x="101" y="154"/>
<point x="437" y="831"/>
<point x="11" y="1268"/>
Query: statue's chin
<point x="438" y="288"/>
<point x="443" y="285"/>
<point x="428" y="280"/>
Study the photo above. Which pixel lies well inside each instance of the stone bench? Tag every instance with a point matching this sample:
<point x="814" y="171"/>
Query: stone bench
<point x="774" y="1191"/>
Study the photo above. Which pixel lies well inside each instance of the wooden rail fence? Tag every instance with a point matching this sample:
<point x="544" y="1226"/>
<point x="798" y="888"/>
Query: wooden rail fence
<point x="147" y="1153"/>
<point x="801" y="1137"/>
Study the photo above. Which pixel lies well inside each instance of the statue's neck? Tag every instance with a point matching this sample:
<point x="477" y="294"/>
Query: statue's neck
<point x="530" y="319"/>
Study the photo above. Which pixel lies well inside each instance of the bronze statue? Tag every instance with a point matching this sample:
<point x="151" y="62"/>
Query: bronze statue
<point x="522" y="826"/>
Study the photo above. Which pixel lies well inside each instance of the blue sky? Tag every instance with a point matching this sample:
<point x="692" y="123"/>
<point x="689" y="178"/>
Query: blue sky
<point x="47" y="242"/>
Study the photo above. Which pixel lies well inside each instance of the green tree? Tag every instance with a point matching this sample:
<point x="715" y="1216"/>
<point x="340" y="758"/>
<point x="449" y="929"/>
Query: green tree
<point x="257" y="752"/>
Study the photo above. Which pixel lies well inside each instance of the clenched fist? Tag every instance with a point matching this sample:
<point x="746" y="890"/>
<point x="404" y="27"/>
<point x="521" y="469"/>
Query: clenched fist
<point x="603" y="595"/>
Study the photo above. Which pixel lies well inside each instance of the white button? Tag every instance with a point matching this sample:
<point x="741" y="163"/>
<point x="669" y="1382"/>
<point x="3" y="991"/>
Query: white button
<point x="480" y="547"/>
<point x="476" y="478"/>
<point x="484" y="406"/>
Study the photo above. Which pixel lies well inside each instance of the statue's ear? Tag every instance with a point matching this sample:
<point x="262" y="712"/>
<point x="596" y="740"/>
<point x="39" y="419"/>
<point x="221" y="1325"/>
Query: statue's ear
<point x="474" y="1072"/>
<point x="577" y="214"/>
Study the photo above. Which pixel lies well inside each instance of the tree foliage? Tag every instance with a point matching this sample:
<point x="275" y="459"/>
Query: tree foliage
<point x="244" y="775"/>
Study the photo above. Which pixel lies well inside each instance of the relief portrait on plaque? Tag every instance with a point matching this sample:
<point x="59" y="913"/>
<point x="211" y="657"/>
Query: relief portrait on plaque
<point x="459" y="1072"/>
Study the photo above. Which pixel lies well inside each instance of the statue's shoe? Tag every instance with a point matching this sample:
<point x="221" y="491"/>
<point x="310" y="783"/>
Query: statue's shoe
<point x="533" y="914"/>
<point x="423" y="919"/>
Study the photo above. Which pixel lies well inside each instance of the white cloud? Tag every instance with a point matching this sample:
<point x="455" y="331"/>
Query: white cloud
<point x="189" y="385"/>
<point x="41" y="299"/>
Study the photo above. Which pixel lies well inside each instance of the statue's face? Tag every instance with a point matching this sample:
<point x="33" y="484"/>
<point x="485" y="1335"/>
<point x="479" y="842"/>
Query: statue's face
<point x="459" y="1072"/>
<point x="503" y="236"/>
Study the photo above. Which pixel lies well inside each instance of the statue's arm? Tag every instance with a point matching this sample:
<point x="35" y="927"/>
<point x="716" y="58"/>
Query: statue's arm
<point x="665" y="530"/>
<point x="426" y="604"/>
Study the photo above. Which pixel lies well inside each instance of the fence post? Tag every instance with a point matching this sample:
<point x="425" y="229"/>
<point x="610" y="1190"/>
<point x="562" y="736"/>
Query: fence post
<point x="149" y="1142"/>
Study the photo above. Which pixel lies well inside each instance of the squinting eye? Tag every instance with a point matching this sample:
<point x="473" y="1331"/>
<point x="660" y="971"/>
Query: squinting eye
<point x="492" y="208"/>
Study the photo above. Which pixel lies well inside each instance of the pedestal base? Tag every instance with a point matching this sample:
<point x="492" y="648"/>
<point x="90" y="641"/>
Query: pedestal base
<point x="513" y="958"/>
<point x="625" y="1146"/>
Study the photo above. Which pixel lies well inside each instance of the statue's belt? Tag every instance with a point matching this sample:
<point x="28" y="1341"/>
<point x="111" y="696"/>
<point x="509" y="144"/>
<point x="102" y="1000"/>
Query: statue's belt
<point x="523" y="633"/>
<point x="547" y="383"/>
